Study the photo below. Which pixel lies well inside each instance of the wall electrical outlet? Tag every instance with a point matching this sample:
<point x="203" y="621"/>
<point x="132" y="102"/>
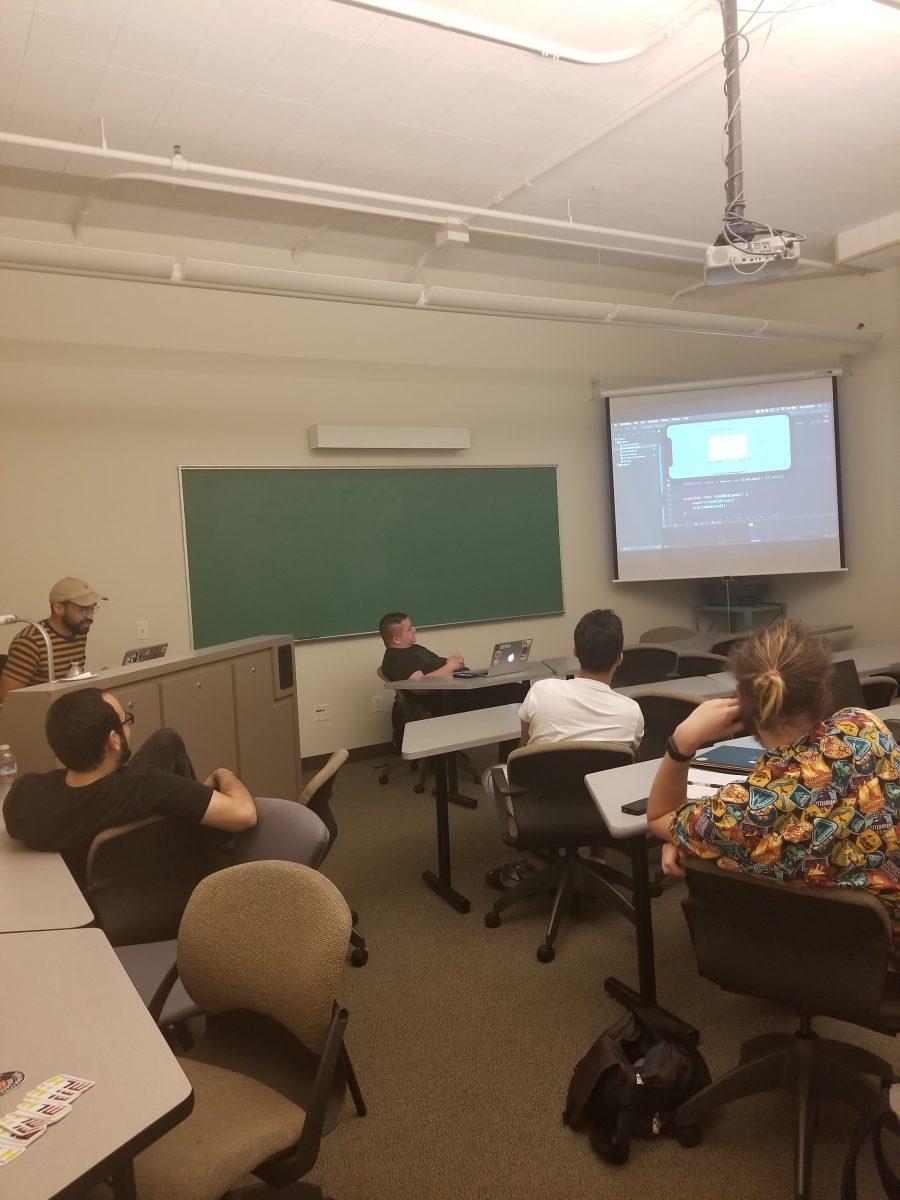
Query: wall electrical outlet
<point x="321" y="712"/>
<point x="378" y="704"/>
<point x="143" y="631"/>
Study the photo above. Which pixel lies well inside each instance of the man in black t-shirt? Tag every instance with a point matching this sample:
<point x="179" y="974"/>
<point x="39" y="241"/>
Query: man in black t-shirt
<point x="404" y="658"/>
<point x="103" y="785"/>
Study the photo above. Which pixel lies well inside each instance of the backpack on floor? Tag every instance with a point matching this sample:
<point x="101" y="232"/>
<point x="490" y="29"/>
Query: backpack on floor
<point x="631" y="1082"/>
<point x="883" y="1117"/>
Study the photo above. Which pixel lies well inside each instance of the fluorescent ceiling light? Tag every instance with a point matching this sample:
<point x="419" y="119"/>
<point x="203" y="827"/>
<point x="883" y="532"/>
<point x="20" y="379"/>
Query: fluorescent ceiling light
<point x="457" y="22"/>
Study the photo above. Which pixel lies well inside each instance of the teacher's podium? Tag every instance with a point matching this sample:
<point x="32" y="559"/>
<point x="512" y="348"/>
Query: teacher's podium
<point x="235" y="705"/>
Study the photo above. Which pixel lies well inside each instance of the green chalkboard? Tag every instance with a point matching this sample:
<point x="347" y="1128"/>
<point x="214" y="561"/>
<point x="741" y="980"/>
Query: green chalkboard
<point x="323" y="553"/>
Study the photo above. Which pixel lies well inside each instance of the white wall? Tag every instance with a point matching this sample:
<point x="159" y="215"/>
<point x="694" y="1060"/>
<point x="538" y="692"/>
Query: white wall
<point x="106" y="387"/>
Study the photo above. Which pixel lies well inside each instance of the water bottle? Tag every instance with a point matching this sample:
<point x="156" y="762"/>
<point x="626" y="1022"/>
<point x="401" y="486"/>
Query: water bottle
<point x="8" y="771"/>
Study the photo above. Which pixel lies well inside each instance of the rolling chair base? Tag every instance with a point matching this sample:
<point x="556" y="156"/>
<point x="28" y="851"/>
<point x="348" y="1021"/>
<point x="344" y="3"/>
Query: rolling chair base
<point x="812" y="1068"/>
<point x="569" y="878"/>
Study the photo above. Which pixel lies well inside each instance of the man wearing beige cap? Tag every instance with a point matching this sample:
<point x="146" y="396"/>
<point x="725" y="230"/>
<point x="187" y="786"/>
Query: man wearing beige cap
<point x="72" y="605"/>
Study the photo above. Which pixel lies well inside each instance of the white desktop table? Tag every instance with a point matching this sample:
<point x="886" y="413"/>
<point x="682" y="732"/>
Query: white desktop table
<point x="440" y="738"/>
<point x="692" y="685"/>
<point x="869" y="660"/>
<point x="74" y="1010"/>
<point x="37" y="891"/>
<point x="449" y="683"/>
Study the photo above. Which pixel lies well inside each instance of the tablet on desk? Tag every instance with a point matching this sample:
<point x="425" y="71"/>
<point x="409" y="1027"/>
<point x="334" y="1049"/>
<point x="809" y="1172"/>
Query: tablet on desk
<point x="730" y="758"/>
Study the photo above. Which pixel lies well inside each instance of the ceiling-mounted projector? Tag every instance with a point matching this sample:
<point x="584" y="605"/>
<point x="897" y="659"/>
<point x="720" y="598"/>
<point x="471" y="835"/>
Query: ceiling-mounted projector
<point x="758" y="255"/>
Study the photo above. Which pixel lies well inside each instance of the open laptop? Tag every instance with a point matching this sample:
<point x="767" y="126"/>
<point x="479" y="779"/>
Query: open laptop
<point x="144" y="653"/>
<point x="846" y="690"/>
<point x="506" y="659"/>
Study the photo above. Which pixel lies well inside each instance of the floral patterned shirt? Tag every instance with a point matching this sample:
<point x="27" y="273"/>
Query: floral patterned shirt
<point x="823" y="810"/>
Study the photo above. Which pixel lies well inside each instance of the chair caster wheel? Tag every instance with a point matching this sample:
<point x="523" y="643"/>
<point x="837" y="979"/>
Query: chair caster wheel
<point x="382" y="779"/>
<point x="689" y="1135"/>
<point x="359" y="957"/>
<point x="419" y="789"/>
<point x="545" y="953"/>
<point x="492" y="920"/>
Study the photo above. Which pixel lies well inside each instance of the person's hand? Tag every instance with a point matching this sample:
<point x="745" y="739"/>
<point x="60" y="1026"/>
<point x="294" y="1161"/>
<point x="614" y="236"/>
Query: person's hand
<point x="711" y="721"/>
<point x="456" y="661"/>
<point x="672" y="859"/>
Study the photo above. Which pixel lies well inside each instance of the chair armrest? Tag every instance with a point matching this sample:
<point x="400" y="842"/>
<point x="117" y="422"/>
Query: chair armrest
<point x="161" y="995"/>
<point x="502" y="785"/>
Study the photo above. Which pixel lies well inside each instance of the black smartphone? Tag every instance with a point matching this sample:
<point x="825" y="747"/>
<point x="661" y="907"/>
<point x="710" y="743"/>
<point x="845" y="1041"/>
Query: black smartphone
<point x="637" y="808"/>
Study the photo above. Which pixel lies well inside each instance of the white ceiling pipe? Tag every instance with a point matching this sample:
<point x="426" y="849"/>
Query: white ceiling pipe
<point x="240" y="277"/>
<point x="419" y="205"/>
<point x="457" y="22"/>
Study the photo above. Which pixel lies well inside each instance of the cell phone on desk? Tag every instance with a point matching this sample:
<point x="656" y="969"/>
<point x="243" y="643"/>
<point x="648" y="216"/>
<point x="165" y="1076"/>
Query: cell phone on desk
<point x="637" y="808"/>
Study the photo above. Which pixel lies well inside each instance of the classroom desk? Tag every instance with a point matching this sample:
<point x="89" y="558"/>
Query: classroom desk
<point x="440" y="738"/>
<point x="704" y="642"/>
<point x="37" y="891"/>
<point x="449" y="683"/>
<point x="610" y="790"/>
<point x="693" y="685"/>
<point x="870" y="660"/>
<point x="73" y="1009"/>
<point x="890" y="713"/>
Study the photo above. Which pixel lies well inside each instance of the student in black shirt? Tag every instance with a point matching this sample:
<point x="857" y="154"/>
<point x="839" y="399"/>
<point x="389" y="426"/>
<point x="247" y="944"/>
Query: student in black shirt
<point x="404" y="658"/>
<point x="103" y="785"/>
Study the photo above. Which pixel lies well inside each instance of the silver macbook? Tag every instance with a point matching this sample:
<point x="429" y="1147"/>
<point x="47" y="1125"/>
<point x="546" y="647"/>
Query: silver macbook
<point x="508" y="657"/>
<point x="144" y="653"/>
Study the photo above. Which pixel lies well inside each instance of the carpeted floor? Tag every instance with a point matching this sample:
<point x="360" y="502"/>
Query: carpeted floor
<point x="464" y="1043"/>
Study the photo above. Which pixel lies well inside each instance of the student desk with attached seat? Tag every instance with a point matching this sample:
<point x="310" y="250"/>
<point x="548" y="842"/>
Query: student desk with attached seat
<point x="37" y="891"/>
<point x="72" y="1010"/>
<point x="440" y="738"/>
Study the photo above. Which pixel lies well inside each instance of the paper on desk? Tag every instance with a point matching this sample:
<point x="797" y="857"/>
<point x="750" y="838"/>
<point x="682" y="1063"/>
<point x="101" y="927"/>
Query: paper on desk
<point x="704" y="783"/>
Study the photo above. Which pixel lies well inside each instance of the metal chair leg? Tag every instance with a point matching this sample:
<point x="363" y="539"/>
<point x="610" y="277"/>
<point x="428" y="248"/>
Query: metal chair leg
<point x="353" y="1084"/>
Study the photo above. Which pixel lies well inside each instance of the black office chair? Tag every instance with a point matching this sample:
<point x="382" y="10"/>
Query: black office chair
<point x="546" y="805"/>
<point x="690" y="665"/>
<point x="645" y="664"/>
<point x="817" y="951"/>
<point x="663" y="712"/>
<point x="723" y="646"/>
<point x="879" y="690"/>
<point x="406" y="707"/>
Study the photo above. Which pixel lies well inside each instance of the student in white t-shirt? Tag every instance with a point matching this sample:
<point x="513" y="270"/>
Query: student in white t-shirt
<point x="581" y="709"/>
<point x="584" y="708"/>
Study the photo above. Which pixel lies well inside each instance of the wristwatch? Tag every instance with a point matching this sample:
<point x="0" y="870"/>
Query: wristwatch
<point x="674" y="753"/>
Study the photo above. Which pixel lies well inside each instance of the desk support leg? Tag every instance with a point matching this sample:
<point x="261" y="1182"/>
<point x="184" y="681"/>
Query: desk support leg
<point x="454" y="795"/>
<point x="643" y="930"/>
<point x="123" y="1183"/>
<point x="441" y="883"/>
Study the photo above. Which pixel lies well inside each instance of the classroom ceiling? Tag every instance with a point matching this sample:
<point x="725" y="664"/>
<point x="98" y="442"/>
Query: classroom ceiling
<point x="334" y="92"/>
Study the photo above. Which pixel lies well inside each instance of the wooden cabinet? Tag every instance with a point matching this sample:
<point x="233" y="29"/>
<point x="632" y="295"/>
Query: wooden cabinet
<point x="266" y="722"/>
<point x="198" y="703"/>
<point x="142" y="699"/>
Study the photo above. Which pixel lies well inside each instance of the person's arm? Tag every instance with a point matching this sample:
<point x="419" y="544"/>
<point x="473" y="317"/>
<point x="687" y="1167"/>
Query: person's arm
<point x="455" y="662"/>
<point x="231" y="807"/>
<point x="7" y="685"/>
<point x="709" y="722"/>
<point x="524" y="729"/>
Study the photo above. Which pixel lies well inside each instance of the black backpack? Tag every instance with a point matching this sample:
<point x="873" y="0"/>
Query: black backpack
<point x="632" y="1080"/>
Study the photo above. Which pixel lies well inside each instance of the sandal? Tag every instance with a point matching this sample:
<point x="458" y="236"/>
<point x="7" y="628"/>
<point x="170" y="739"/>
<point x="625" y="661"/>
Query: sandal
<point x="507" y="875"/>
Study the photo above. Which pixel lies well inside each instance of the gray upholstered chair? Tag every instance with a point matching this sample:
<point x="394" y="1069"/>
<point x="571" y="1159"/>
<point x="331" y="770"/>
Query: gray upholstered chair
<point x="725" y="643"/>
<point x="814" y="950"/>
<point x="317" y="797"/>
<point x="261" y="949"/>
<point x="545" y="805"/>
<point x="668" y="633"/>
<point x="140" y="877"/>
<point x="645" y="663"/>
<point x="690" y="665"/>
<point x="879" y="690"/>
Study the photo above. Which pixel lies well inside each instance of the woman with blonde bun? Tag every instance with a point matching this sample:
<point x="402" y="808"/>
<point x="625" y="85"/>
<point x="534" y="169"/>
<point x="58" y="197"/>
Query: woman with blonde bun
<point x="822" y="804"/>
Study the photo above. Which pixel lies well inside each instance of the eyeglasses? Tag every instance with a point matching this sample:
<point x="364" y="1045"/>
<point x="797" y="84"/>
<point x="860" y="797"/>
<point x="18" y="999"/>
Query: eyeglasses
<point x="128" y="719"/>
<point x="87" y="609"/>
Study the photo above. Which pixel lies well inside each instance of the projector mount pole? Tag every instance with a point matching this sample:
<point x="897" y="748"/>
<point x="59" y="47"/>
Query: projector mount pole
<point x="734" y="162"/>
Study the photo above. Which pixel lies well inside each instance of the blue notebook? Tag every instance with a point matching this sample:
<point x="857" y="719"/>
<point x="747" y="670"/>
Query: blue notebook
<point x="733" y="758"/>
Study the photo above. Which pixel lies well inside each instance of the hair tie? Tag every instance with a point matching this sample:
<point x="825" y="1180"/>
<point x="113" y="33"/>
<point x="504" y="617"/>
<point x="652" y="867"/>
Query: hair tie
<point x="774" y="674"/>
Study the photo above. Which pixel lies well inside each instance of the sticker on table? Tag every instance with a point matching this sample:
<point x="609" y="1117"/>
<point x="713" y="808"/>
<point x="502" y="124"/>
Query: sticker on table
<point x="8" y="1153"/>
<point x="9" y="1080"/>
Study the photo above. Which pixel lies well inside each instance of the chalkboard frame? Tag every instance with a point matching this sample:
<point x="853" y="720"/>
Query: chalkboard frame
<point x="187" y="467"/>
